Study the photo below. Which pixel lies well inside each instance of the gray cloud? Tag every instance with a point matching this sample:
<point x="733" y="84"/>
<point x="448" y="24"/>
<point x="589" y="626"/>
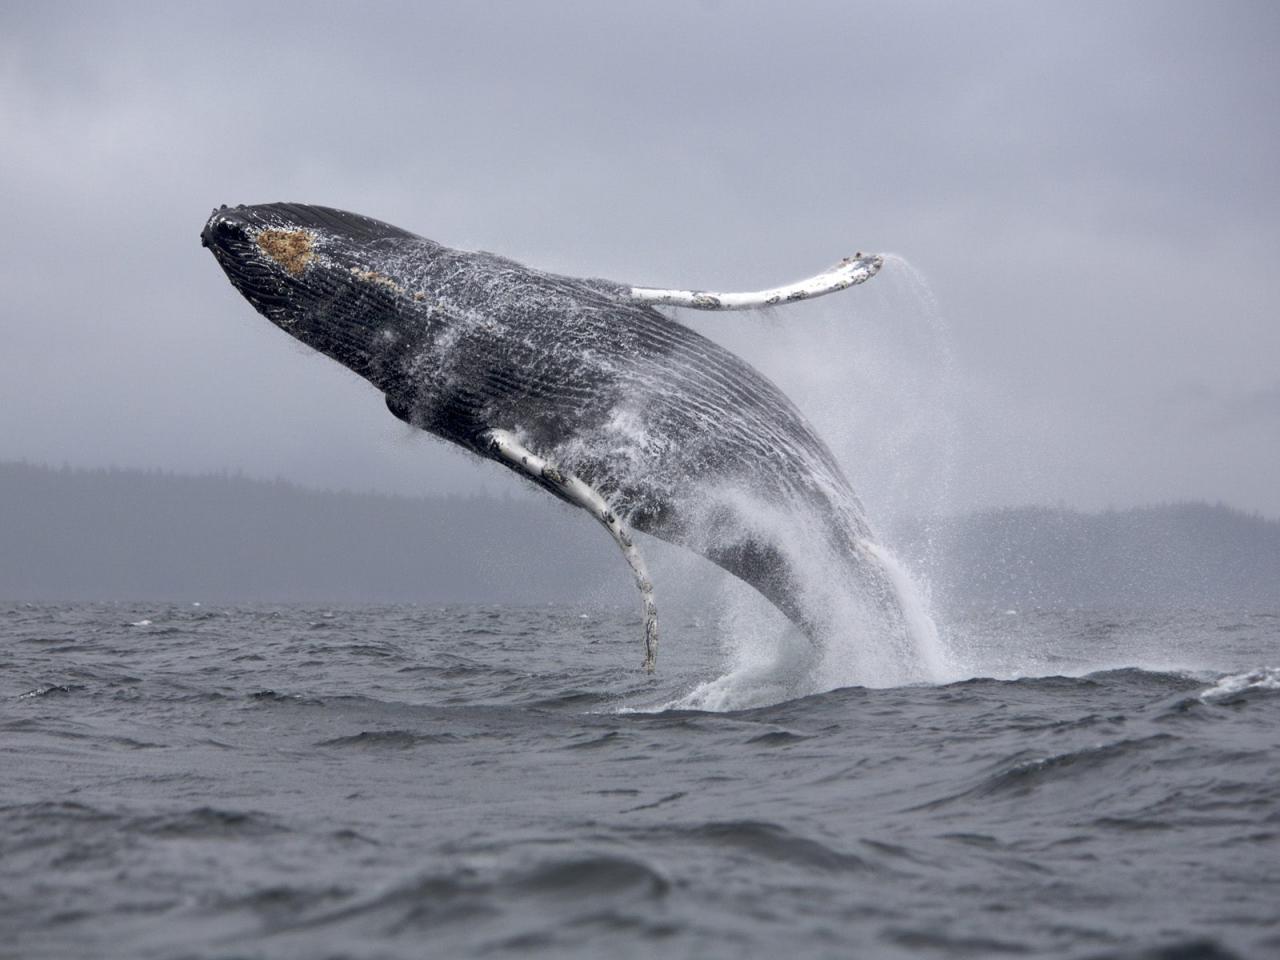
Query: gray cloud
<point x="1089" y="188"/>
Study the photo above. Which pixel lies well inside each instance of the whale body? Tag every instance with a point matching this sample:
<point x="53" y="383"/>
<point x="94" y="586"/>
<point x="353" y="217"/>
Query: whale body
<point x="579" y="385"/>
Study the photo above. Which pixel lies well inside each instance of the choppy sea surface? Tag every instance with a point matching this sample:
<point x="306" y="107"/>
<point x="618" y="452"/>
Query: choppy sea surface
<point x="384" y="782"/>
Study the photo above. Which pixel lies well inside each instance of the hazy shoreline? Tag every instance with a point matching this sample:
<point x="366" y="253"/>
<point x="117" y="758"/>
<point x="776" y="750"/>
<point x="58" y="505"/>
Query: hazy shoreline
<point x="74" y="534"/>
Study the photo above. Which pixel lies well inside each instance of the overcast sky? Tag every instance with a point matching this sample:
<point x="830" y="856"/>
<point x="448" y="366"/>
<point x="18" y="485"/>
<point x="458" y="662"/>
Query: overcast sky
<point x="1090" y="191"/>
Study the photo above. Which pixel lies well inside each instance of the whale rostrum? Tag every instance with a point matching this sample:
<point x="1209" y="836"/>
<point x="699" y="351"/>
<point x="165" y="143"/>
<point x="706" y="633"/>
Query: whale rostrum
<point x="580" y="386"/>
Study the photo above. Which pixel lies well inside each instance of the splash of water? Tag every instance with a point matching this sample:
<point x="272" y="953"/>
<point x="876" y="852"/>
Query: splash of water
<point x="877" y="378"/>
<point x="1234" y="685"/>
<point x="933" y="655"/>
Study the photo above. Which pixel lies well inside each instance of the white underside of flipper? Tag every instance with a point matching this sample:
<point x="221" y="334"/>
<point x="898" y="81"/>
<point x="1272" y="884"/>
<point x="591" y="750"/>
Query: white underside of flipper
<point x="506" y="447"/>
<point x="847" y="273"/>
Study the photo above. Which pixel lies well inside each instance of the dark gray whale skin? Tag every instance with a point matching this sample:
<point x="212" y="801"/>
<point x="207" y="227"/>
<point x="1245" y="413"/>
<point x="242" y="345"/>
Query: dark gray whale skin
<point x="683" y="438"/>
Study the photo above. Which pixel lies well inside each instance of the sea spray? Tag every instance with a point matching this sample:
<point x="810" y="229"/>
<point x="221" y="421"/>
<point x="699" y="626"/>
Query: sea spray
<point x="275" y="790"/>
<point x="860" y="637"/>
<point x="877" y="378"/>
<point x="770" y="660"/>
<point x="933" y="656"/>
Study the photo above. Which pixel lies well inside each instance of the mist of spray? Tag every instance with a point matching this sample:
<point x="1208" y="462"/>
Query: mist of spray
<point x="875" y="375"/>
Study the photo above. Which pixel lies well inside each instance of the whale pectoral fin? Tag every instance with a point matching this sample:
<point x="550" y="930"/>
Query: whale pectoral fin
<point x="847" y="273"/>
<point x="503" y="445"/>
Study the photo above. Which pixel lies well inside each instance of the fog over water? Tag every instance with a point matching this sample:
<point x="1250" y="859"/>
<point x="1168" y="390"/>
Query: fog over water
<point x="1089" y="190"/>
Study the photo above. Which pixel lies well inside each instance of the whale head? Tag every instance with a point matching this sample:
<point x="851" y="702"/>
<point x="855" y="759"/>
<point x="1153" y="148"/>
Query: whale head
<point x="324" y="276"/>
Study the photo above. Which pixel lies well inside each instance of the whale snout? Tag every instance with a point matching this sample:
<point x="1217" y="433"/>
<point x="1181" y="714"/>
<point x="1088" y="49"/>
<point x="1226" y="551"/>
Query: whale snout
<point x="260" y="259"/>
<point x="245" y="223"/>
<point x="240" y="236"/>
<point x="339" y="224"/>
<point x="223" y="224"/>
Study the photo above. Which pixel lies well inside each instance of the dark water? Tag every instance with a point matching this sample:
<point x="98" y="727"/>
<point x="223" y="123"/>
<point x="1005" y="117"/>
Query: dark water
<point x="405" y="782"/>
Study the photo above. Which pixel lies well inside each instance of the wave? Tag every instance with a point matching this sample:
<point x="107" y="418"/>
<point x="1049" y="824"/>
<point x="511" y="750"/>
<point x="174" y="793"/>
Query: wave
<point x="389" y="740"/>
<point x="1238" y="686"/>
<point x="207" y="822"/>
<point x="581" y="886"/>
<point x="735" y="694"/>
<point x="763" y="839"/>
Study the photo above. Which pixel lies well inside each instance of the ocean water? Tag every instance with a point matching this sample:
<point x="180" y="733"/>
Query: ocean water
<point x="385" y="782"/>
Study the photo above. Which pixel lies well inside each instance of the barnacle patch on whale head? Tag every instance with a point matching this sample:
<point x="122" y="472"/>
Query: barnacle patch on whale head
<point x="292" y="249"/>
<point x="381" y="279"/>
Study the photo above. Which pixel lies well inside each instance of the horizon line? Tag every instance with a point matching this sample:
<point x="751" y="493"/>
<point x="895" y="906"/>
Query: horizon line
<point x="238" y="474"/>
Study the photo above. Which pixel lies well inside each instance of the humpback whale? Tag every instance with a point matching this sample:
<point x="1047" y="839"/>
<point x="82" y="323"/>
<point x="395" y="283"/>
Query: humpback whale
<point x="581" y="386"/>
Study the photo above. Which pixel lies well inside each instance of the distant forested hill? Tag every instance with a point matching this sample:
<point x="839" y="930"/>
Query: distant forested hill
<point x="1176" y="555"/>
<point x="127" y="534"/>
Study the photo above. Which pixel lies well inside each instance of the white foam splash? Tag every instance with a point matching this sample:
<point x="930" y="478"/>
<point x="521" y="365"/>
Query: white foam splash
<point x="876" y="375"/>
<point x="933" y="654"/>
<point x="769" y="660"/>
<point x="1265" y="678"/>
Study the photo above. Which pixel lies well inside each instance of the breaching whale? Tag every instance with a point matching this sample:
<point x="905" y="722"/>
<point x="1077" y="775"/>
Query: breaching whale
<point x="581" y="386"/>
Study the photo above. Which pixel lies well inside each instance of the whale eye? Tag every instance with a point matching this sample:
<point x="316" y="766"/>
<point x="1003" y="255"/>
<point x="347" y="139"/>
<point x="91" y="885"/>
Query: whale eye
<point x="292" y="249"/>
